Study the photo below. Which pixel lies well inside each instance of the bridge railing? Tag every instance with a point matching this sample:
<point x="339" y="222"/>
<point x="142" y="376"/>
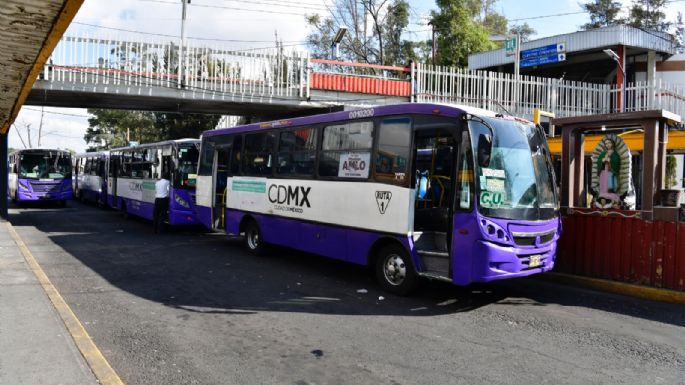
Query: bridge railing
<point x="331" y="75"/>
<point x="202" y="69"/>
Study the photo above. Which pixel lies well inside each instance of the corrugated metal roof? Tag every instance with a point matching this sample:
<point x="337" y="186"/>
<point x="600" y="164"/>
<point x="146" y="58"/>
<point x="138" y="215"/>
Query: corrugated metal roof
<point x="583" y="41"/>
<point x="25" y="28"/>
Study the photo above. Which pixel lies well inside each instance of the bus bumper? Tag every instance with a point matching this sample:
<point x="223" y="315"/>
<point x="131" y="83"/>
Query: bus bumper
<point x="493" y="262"/>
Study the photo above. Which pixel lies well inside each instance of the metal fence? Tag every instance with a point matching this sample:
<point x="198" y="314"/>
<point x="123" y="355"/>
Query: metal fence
<point x="517" y="95"/>
<point x="202" y="68"/>
<point x="521" y="95"/>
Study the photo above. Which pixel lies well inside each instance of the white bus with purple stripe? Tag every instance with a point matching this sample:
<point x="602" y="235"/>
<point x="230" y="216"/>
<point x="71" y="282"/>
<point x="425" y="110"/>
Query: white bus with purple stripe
<point x="133" y="171"/>
<point x="445" y="192"/>
<point x="90" y="177"/>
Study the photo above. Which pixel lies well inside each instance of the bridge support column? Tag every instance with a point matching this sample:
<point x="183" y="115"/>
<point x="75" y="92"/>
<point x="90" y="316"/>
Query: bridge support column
<point x="4" y="157"/>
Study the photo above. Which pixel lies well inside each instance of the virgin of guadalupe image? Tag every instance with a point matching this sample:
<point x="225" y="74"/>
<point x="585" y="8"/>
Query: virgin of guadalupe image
<point x="609" y="168"/>
<point x="611" y="184"/>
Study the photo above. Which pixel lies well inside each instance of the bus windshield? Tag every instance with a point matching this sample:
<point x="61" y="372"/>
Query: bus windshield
<point x="44" y="165"/>
<point x="186" y="166"/>
<point x="515" y="179"/>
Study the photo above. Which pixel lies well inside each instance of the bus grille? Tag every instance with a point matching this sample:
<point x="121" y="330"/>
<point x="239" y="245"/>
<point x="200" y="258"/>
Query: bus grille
<point x="44" y="187"/>
<point x="523" y="239"/>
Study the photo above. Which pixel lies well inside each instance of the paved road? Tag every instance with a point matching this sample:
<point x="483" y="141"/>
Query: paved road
<point x="189" y="307"/>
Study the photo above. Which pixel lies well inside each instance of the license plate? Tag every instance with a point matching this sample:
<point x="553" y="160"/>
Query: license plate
<point x="534" y="261"/>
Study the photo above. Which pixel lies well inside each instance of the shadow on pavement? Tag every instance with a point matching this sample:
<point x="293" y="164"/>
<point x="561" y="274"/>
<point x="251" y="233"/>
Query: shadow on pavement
<point x="197" y="271"/>
<point x="202" y="272"/>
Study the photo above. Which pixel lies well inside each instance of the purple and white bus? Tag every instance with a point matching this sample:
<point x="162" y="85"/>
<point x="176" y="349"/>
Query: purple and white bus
<point x="133" y="171"/>
<point x="413" y="190"/>
<point x="90" y="177"/>
<point x="40" y="175"/>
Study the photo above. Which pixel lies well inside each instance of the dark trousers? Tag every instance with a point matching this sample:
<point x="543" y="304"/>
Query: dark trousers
<point x="160" y="213"/>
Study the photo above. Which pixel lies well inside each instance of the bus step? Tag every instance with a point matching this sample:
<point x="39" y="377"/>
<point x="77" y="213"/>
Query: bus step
<point x="435" y="261"/>
<point x="430" y="241"/>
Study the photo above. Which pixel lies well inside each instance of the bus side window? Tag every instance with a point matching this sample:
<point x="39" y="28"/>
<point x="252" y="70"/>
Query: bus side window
<point x="235" y="157"/>
<point x="258" y="156"/>
<point x="206" y="157"/>
<point x="394" y="141"/>
<point x="465" y="189"/>
<point x="297" y="152"/>
<point x="346" y="150"/>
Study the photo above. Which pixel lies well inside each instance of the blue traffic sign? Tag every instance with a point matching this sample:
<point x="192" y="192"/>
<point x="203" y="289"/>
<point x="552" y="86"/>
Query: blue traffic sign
<point x="546" y="59"/>
<point x="543" y="51"/>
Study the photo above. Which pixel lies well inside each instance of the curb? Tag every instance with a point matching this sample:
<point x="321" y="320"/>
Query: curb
<point x="98" y="364"/>
<point x="628" y="289"/>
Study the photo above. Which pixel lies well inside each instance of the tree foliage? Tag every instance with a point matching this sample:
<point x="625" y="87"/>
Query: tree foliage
<point x="524" y="30"/>
<point x="603" y="13"/>
<point x="374" y="33"/>
<point x="115" y="128"/>
<point x="649" y="14"/>
<point x="458" y="31"/>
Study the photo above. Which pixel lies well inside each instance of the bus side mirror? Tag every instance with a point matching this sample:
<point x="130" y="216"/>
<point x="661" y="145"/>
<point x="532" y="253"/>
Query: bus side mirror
<point x="484" y="150"/>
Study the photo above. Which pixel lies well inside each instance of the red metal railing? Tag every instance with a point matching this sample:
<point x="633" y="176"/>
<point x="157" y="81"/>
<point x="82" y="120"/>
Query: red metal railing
<point x="360" y="78"/>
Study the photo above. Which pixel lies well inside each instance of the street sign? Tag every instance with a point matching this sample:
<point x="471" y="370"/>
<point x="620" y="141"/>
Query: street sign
<point x="543" y="51"/>
<point x="510" y="46"/>
<point x="540" y="60"/>
<point x="133" y="143"/>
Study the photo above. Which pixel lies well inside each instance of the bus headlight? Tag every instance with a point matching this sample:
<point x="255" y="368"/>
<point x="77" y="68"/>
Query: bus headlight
<point x="22" y="186"/>
<point x="181" y="201"/>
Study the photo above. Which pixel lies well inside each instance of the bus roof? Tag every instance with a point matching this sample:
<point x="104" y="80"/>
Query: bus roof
<point x="438" y="109"/>
<point x="39" y="150"/>
<point x="162" y="143"/>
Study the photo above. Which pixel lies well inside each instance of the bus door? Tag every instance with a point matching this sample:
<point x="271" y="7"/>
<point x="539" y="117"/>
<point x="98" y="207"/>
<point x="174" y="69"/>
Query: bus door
<point x="112" y="172"/>
<point x="222" y="155"/>
<point x="434" y="170"/>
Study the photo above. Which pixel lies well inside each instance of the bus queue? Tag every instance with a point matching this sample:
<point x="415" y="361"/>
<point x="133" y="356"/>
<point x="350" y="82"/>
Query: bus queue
<point x="412" y="191"/>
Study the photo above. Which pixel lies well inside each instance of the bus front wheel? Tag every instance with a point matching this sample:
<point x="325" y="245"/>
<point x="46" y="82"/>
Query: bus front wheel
<point x="253" y="238"/>
<point x="394" y="270"/>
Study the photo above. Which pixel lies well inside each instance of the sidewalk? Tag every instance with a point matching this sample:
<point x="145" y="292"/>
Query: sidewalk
<point x="36" y="347"/>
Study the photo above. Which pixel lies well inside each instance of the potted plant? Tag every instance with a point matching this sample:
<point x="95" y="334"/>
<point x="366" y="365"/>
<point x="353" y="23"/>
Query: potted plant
<point x="670" y="196"/>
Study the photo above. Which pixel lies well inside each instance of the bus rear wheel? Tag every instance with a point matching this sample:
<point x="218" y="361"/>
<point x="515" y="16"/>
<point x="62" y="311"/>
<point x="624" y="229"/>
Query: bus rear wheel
<point x="394" y="270"/>
<point x="253" y="238"/>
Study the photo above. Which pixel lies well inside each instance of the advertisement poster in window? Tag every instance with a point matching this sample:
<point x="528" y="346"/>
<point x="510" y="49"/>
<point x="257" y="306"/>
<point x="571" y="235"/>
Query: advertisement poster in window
<point x="354" y="165"/>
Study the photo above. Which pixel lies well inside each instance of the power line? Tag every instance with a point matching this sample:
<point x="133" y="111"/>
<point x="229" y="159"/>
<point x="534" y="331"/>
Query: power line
<point x="246" y="10"/>
<point x="178" y="36"/>
<point x="56" y="113"/>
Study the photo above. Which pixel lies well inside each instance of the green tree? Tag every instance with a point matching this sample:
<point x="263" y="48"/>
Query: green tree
<point x="458" y="33"/>
<point x="374" y="33"/>
<point x="649" y="14"/>
<point x="115" y="128"/>
<point x="524" y="30"/>
<point x="603" y="13"/>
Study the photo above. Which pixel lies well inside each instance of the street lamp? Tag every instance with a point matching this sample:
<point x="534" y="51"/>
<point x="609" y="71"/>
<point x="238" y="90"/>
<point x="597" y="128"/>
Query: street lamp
<point x="336" y="41"/>
<point x="614" y="56"/>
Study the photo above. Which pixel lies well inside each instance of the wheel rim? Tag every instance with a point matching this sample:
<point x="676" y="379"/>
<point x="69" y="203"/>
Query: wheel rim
<point x="253" y="238"/>
<point x="394" y="269"/>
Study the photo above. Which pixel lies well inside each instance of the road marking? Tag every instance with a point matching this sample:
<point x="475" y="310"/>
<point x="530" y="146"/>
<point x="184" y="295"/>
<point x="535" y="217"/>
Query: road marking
<point x="97" y="362"/>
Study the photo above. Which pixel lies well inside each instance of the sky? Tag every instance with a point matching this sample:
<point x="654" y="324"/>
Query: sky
<point x="244" y="24"/>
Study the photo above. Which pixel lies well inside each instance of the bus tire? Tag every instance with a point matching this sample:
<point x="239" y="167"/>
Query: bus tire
<point x="62" y="203"/>
<point x="395" y="271"/>
<point x="253" y="238"/>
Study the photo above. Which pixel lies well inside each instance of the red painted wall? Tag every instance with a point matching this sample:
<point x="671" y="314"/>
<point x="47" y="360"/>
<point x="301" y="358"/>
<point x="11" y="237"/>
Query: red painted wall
<point x="623" y="249"/>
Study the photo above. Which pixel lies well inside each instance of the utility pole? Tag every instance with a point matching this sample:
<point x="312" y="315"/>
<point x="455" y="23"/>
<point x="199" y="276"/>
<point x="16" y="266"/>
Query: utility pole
<point x="517" y="58"/>
<point x="182" y="43"/>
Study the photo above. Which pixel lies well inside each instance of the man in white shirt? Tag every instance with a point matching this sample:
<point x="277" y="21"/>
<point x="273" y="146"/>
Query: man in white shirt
<point x="161" y="202"/>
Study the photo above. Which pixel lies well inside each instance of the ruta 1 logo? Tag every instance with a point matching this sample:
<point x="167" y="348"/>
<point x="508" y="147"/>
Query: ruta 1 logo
<point x="383" y="200"/>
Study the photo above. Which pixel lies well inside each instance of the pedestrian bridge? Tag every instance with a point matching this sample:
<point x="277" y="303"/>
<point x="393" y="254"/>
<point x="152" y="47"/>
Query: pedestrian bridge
<point x="102" y="72"/>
